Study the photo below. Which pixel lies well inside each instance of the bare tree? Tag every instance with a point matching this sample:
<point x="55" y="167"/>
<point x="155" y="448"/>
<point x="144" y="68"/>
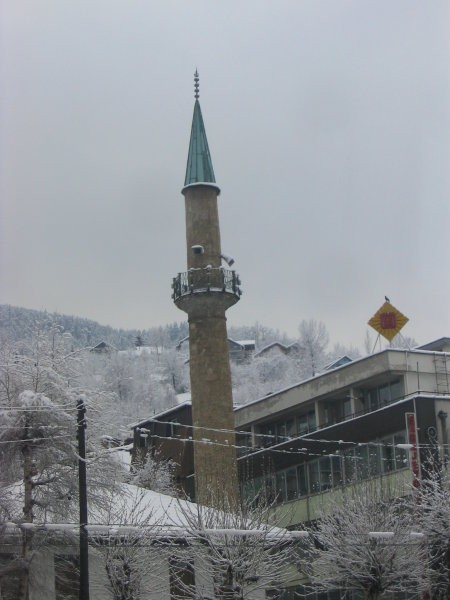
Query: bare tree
<point x="155" y="474"/>
<point x="38" y="390"/>
<point x="314" y="339"/>
<point x="128" y="542"/>
<point x="261" y="376"/>
<point x="433" y="509"/>
<point x="174" y="368"/>
<point x="367" y="544"/>
<point x="36" y="436"/>
<point x="402" y="341"/>
<point x="237" y="552"/>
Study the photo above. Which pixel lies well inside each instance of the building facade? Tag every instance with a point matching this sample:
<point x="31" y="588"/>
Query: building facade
<point x="352" y="423"/>
<point x="374" y="418"/>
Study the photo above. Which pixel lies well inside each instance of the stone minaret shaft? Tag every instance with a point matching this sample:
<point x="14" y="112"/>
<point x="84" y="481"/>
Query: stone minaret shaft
<point x="205" y="292"/>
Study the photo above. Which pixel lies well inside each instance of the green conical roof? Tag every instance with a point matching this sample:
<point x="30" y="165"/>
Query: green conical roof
<point x="199" y="167"/>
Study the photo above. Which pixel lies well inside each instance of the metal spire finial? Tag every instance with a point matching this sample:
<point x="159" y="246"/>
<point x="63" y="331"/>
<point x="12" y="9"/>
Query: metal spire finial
<point x="196" y="85"/>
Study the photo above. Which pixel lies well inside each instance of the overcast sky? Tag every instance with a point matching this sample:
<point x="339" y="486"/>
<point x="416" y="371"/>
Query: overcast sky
<point x="328" y="123"/>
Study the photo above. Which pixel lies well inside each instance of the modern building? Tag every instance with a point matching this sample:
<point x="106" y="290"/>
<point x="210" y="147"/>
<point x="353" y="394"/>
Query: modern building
<point x="371" y="418"/>
<point x="239" y="351"/>
<point x="375" y="417"/>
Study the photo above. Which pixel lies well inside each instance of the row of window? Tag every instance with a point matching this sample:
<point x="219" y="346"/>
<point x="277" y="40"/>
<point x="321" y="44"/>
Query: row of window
<point x="382" y="395"/>
<point x="331" y="471"/>
<point x="334" y="411"/>
<point x="274" y="433"/>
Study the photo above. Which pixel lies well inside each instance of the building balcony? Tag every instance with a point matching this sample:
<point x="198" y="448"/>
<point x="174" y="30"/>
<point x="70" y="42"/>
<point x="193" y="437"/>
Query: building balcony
<point x="208" y="280"/>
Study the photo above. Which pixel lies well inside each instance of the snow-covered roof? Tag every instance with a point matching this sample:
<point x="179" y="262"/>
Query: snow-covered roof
<point x="440" y="345"/>
<point x="164" y="413"/>
<point x="337" y="362"/>
<point x="324" y="374"/>
<point x="139" y="350"/>
<point x="286" y="349"/>
<point x="153" y="506"/>
<point x="184" y="398"/>
<point x="248" y="344"/>
<point x="133" y="509"/>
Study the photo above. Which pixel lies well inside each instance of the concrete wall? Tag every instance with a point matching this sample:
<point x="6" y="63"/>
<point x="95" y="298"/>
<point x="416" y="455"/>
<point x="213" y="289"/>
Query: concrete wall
<point x="155" y="585"/>
<point x="311" y="507"/>
<point x="418" y="368"/>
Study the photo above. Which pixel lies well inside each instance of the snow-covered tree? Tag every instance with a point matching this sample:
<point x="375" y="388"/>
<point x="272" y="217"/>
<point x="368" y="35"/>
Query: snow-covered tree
<point x="39" y="385"/>
<point x="128" y="531"/>
<point x="240" y="550"/>
<point x="433" y="511"/>
<point x="176" y="369"/>
<point x="130" y="384"/>
<point x="155" y="474"/>
<point x="313" y="338"/>
<point x="36" y="440"/>
<point x="339" y="350"/>
<point x="402" y="341"/>
<point x="367" y="543"/>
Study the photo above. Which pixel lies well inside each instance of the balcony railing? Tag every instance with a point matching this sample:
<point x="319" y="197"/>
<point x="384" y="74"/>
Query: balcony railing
<point x="206" y="280"/>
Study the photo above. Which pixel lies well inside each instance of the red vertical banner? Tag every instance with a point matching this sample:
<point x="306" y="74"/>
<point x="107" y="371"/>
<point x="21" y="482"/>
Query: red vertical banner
<point x="414" y="458"/>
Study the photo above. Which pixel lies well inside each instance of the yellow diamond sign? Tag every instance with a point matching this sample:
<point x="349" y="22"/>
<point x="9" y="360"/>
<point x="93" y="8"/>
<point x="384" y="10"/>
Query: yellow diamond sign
<point x="388" y="321"/>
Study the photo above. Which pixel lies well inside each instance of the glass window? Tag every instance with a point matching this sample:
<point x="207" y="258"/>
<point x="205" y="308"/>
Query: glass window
<point x="325" y="473"/>
<point x="362" y="456"/>
<point x="253" y="488"/>
<point x="401" y="454"/>
<point x="302" y="481"/>
<point x="245" y="438"/>
<point x="266" y="437"/>
<point x="347" y="408"/>
<point x="387" y="456"/>
<point x="349" y="466"/>
<point x="384" y="395"/>
<point x="374" y="460"/>
<point x="291" y="483"/>
<point x="290" y="428"/>
<point x="396" y="390"/>
<point x="302" y="424"/>
<point x="270" y="489"/>
<point x="314" y="478"/>
<point x="306" y="422"/>
<point x="143" y="440"/>
<point x="336" y="465"/>
<point x="170" y="429"/>
<point x="312" y="420"/>
<point x="281" y="486"/>
<point x="281" y="431"/>
<point x="373" y="400"/>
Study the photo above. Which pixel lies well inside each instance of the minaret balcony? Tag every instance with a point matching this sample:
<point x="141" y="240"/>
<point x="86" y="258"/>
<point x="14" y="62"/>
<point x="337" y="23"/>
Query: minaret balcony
<point x="206" y="281"/>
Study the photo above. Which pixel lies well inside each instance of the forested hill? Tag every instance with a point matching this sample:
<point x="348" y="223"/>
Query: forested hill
<point x="19" y="324"/>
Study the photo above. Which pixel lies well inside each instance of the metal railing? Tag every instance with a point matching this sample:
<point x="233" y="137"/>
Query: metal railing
<point x="206" y="280"/>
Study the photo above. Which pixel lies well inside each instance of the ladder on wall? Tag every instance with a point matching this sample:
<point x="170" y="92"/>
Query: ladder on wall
<point x="442" y="376"/>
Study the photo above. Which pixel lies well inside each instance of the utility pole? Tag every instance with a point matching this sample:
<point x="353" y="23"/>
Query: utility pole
<point x="84" y="545"/>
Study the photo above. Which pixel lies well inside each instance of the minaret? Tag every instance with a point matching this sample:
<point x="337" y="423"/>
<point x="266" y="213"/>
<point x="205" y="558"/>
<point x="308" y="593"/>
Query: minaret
<point x="205" y="292"/>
